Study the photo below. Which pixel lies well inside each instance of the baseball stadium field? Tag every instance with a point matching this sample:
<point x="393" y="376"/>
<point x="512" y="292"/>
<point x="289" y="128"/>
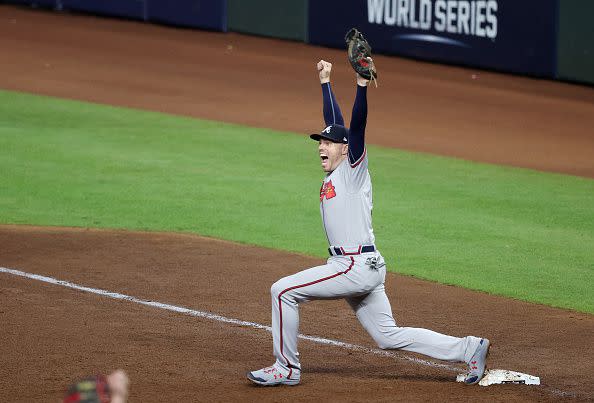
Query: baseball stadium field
<point x="131" y="167"/>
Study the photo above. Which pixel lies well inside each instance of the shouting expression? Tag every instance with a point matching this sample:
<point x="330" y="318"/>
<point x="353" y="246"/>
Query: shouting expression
<point x="331" y="154"/>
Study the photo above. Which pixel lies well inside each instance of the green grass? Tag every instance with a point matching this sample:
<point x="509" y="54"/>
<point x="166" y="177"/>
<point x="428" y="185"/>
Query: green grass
<point x="513" y="232"/>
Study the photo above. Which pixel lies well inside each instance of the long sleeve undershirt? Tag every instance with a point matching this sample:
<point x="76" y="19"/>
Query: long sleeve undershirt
<point x="333" y="115"/>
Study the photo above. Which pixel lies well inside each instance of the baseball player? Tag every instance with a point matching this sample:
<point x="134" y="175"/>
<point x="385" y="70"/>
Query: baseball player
<point x="355" y="269"/>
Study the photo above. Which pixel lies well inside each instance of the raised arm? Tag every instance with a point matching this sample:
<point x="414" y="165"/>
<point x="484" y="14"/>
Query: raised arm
<point x="331" y="110"/>
<point x="358" y="123"/>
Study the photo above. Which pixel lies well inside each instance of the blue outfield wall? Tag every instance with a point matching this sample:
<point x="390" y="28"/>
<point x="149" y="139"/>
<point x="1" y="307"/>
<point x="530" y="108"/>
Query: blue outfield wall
<point x="205" y="14"/>
<point x="510" y="35"/>
<point x="119" y="8"/>
<point x="542" y="38"/>
<point x="34" y="3"/>
<point x="209" y="14"/>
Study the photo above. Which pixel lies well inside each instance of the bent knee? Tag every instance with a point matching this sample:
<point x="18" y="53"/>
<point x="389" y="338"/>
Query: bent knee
<point x="388" y="339"/>
<point x="391" y="340"/>
<point x="283" y="289"/>
<point x="384" y="343"/>
<point x="277" y="288"/>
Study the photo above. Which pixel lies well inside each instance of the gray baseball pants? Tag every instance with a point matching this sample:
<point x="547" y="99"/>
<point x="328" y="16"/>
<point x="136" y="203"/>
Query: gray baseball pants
<point x="361" y="283"/>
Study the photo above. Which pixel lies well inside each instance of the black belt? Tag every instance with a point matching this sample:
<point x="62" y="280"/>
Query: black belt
<point x="340" y="251"/>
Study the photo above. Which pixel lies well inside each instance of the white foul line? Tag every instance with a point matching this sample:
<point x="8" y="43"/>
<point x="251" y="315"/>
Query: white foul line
<point x="219" y="318"/>
<point x="223" y="319"/>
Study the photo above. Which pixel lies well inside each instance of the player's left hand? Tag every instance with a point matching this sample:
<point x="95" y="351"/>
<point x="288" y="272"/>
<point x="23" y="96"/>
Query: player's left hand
<point x="359" y="55"/>
<point x="362" y="81"/>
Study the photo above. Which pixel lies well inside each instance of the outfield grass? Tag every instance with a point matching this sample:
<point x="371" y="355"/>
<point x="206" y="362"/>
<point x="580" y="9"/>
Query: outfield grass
<point x="513" y="232"/>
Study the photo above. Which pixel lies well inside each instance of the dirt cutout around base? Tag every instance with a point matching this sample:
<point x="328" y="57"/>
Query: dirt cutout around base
<point x="51" y="334"/>
<point x="261" y="82"/>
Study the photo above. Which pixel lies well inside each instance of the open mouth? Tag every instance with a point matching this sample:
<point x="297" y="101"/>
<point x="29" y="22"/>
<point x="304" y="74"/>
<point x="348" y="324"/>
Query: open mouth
<point x="323" y="157"/>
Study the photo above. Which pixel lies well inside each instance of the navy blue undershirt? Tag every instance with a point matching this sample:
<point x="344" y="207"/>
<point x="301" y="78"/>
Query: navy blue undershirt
<point x="333" y="115"/>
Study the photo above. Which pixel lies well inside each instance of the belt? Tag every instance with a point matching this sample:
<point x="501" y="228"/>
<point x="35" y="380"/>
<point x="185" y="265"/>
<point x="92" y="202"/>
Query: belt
<point x="339" y="251"/>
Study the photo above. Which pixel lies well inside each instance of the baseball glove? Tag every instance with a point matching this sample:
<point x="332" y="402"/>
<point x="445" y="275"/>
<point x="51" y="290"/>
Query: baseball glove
<point x="359" y="54"/>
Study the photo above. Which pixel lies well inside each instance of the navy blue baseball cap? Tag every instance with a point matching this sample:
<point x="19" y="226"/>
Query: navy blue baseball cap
<point x="334" y="133"/>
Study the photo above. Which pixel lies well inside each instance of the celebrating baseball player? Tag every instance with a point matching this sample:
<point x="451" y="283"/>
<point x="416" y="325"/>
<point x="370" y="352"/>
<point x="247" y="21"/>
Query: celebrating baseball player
<point x="355" y="269"/>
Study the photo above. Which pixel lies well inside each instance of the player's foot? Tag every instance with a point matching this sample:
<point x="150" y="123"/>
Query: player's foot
<point x="275" y="375"/>
<point x="477" y="363"/>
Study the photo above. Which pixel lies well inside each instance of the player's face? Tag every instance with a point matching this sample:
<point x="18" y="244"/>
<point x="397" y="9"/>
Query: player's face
<point x="331" y="154"/>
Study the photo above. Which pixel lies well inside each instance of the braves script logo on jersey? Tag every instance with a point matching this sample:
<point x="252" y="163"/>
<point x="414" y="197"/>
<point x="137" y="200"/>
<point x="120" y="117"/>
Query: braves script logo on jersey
<point x="327" y="191"/>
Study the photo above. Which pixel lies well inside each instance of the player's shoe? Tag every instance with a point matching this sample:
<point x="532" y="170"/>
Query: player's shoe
<point x="478" y="363"/>
<point x="275" y="375"/>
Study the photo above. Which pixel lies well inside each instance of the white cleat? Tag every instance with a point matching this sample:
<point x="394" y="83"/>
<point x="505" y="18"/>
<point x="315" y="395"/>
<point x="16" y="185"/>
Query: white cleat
<point x="478" y="363"/>
<point x="275" y="375"/>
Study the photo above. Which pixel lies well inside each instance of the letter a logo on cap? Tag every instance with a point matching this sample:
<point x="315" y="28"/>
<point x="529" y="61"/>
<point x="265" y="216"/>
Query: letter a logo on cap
<point x="327" y="130"/>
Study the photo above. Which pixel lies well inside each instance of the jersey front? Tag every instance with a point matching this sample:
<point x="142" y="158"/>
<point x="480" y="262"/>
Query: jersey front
<point x="346" y="203"/>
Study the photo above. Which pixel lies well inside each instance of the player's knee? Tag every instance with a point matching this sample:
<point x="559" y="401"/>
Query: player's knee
<point x="282" y="289"/>
<point x="391" y="338"/>
<point x="276" y="289"/>
<point x="383" y="343"/>
<point x="383" y="340"/>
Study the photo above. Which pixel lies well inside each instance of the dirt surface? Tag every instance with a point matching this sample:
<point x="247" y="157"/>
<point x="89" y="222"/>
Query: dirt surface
<point x="263" y="82"/>
<point x="50" y="334"/>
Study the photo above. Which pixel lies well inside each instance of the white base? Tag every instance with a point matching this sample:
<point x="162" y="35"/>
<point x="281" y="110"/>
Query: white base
<point x="504" y="376"/>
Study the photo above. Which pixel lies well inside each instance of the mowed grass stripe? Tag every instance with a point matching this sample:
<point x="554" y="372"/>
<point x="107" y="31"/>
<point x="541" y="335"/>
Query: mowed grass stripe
<point x="513" y="232"/>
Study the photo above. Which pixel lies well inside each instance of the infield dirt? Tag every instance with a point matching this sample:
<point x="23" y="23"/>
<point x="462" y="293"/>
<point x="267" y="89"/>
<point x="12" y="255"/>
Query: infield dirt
<point x="50" y="335"/>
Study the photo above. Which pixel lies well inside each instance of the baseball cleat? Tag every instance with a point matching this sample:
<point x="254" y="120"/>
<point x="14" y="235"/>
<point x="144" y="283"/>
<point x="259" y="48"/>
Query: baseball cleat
<point x="274" y="376"/>
<point x="478" y="363"/>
